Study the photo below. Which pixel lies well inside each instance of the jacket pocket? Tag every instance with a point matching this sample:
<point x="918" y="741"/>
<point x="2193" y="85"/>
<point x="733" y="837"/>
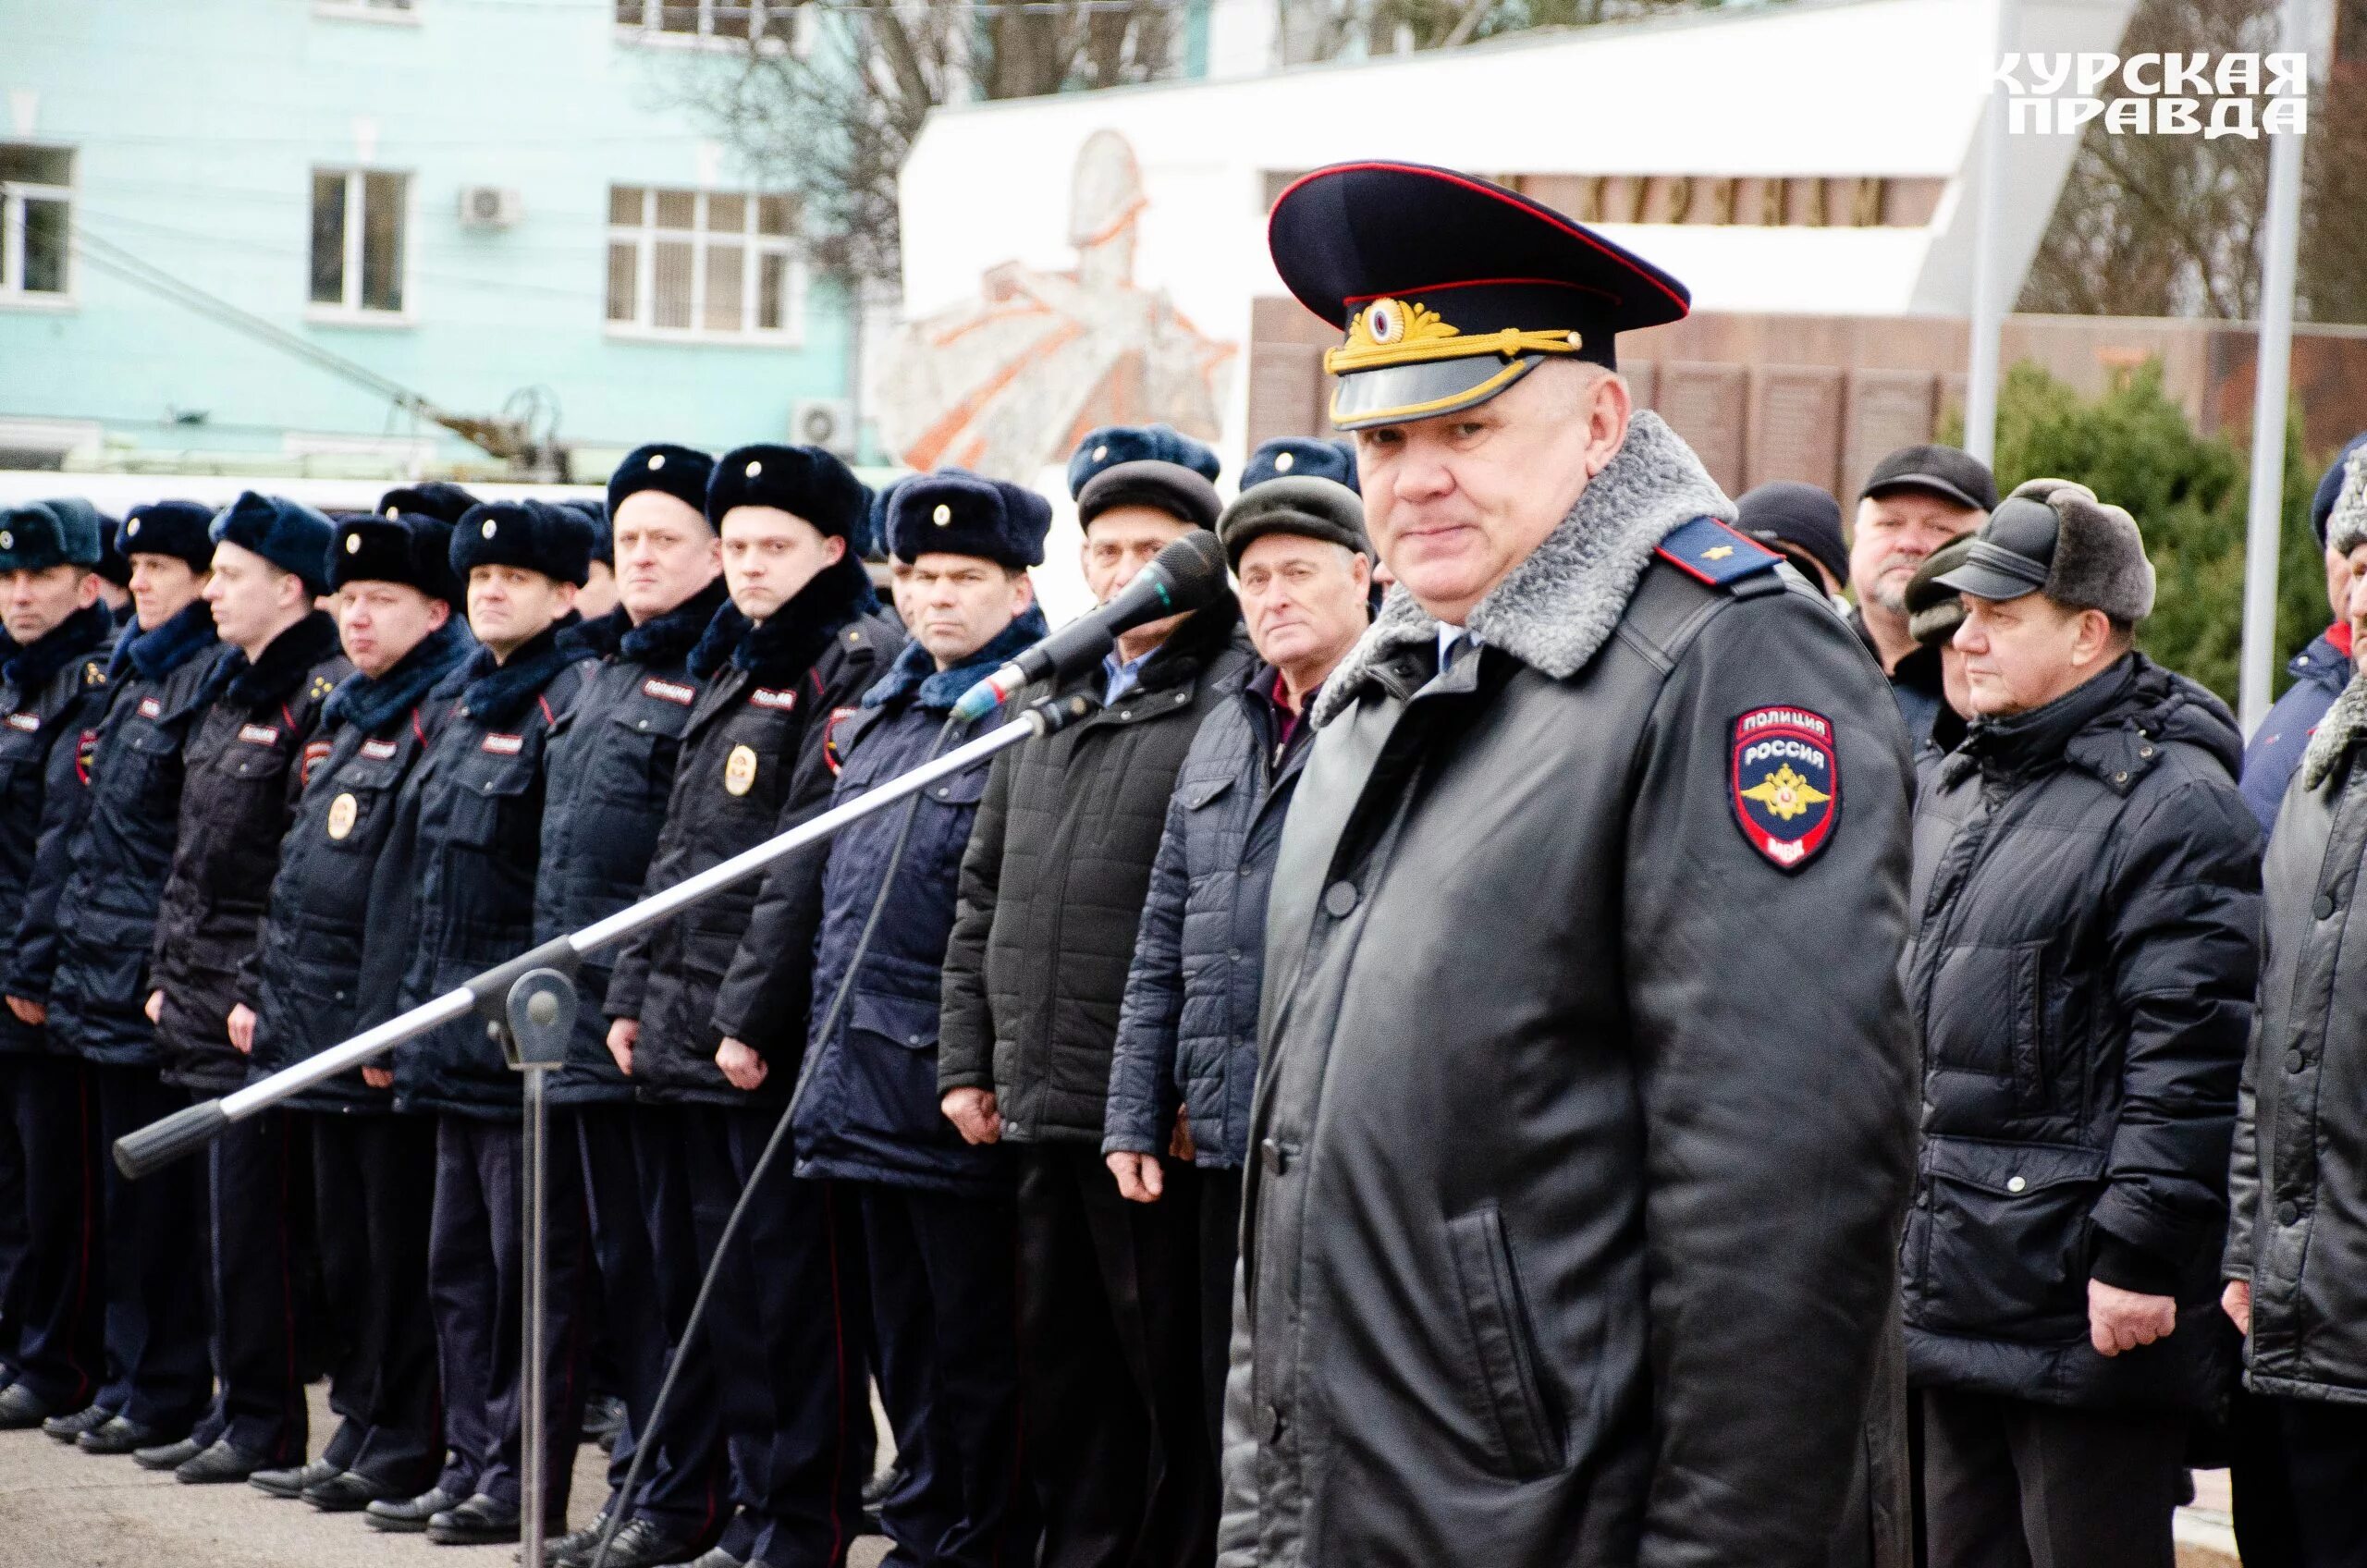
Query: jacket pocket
<point x="2031" y="1033"/>
<point x="909" y="1022"/>
<point x="1503" y="1344"/>
<point x="2005" y="1239"/>
<point x="485" y="804"/>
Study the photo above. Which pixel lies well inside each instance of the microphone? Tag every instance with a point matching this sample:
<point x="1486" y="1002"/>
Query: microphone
<point x="1182" y="577"/>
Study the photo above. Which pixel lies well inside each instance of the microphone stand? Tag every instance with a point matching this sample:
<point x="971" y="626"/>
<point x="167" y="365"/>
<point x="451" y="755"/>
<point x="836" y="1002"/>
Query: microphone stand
<point x="530" y="1005"/>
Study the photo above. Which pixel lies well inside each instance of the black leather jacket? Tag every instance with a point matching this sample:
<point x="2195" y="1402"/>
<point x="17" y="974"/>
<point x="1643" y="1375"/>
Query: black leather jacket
<point x="1583" y="1127"/>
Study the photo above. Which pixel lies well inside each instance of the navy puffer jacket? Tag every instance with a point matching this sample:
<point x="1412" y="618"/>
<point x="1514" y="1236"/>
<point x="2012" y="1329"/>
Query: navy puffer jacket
<point x="1188" y="1033"/>
<point x="868" y="1111"/>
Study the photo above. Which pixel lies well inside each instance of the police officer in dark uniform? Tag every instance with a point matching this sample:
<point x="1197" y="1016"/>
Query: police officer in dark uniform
<point x="246" y="757"/>
<point x="1572" y="1225"/>
<point x="936" y="1212"/>
<point x="334" y="941"/>
<point x="158" y="1378"/>
<point x="711" y="1008"/>
<point x="612" y="767"/>
<point x="473" y="811"/>
<point x="53" y="684"/>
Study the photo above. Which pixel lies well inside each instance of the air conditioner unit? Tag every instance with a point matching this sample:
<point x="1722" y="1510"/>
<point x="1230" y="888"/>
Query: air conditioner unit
<point x="490" y="206"/>
<point x="827" y="423"/>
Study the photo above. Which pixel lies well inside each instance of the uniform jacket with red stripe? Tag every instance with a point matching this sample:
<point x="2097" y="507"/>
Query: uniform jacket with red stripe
<point x="245" y="763"/>
<point x="338" y="934"/>
<point x="755" y="761"/>
<point x="469" y="822"/>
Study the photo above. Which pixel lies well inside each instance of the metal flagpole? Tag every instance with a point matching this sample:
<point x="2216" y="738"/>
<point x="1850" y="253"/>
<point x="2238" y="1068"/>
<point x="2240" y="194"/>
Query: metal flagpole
<point x="1988" y="324"/>
<point x="2264" y="517"/>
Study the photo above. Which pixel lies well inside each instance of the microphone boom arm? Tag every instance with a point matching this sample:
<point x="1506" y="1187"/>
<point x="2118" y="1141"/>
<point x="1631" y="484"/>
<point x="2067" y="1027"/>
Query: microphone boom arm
<point x="160" y="1143"/>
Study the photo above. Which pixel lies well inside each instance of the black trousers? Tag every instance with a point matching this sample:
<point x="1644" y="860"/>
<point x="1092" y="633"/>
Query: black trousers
<point x="258" y="1176"/>
<point x="373" y="1189"/>
<point x="785" y="1332"/>
<point x="648" y="1276"/>
<point x="1110" y="1364"/>
<point x="1220" y="1253"/>
<point x="477" y="1283"/>
<point x="159" y="1372"/>
<point x="52" y="1312"/>
<point x="688" y="1480"/>
<point x="2325" y="1461"/>
<point x="943" y="1306"/>
<point x="2011" y="1484"/>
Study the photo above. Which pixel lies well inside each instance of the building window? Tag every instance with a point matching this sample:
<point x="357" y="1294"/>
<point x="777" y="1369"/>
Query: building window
<point x="709" y="263"/>
<point x="358" y="216"/>
<point x="736" y="19"/>
<point x="36" y="203"/>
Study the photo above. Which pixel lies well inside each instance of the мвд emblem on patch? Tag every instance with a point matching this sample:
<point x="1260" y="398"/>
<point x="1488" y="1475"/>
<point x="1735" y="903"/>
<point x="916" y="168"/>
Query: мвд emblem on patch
<point x="1785" y="783"/>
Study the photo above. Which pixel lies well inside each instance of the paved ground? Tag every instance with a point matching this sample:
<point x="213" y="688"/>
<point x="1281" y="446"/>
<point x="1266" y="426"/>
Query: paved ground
<point x="60" y="1508"/>
<point x="63" y="1509"/>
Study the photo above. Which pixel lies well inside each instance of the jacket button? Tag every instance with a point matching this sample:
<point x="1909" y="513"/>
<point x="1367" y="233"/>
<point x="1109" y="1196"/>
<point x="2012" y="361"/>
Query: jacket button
<point x="2120" y="778"/>
<point x="1248" y="870"/>
<point x="1125" y="712"/>
<point x="2015" y="1183"/>
<point x="2144" y="750"/>
<point x="1339" y="899"/>
<point x="2295" y="1062"/>
<point x="1277" y="1158"/>
<point x="2286" y="1213"/>
<point x="2323" y="908"/>
<point x="1233" y="953"/>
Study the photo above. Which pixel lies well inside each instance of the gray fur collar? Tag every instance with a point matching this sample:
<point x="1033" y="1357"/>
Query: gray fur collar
<point x="1555" y="609"/>
<point x="2344" y="725"/>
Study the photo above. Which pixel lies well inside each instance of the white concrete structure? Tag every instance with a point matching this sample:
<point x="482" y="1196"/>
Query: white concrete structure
<point x="1882" y="88"/>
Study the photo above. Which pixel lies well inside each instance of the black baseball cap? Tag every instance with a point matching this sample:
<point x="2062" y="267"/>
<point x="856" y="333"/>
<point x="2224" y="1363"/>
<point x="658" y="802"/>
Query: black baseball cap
<point x="1944" y="471"/>
<point x="2013" y="554"/>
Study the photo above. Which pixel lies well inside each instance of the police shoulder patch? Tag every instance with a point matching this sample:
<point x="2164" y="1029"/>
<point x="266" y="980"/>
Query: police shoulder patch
<point x="1785" y="783"/>
<point x="1710" y="552"/>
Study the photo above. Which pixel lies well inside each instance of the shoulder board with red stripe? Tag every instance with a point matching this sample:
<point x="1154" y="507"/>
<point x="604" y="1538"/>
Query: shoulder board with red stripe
<point x="315" y="753"/>
<point x="502" y="745"/>
<point x="765" y="697"/>
<point x="1710" y="552"/>
<point x="259" y="734"/>
<point x="670" y="691"/>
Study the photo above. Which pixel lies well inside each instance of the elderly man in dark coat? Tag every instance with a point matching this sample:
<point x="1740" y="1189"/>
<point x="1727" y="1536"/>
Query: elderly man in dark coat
<point x="1582" y="1128"/>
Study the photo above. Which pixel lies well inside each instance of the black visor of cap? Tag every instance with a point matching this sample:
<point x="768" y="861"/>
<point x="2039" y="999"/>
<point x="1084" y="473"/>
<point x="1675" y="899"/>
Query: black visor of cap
<point x="1409" y="392"/>
<point x="2012" y="555"/>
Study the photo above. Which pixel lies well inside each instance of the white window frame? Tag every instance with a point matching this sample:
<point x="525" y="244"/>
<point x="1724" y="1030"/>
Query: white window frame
<point x="648" y="33"/>
<point x="645" y="237"/>
<point x="14" y="194"/>
<point x="349" y="310"/>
